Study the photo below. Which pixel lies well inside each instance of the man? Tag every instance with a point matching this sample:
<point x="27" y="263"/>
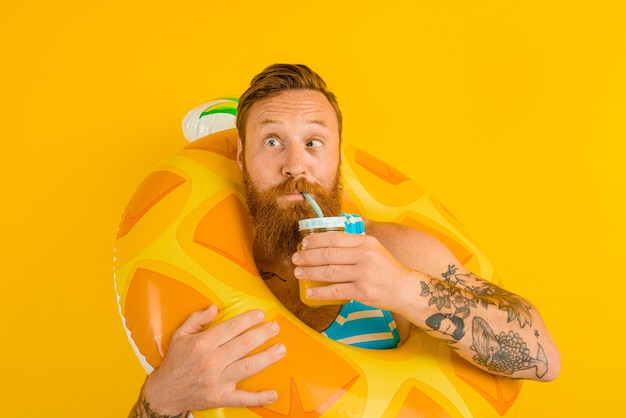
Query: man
<point x="290" y="134"/>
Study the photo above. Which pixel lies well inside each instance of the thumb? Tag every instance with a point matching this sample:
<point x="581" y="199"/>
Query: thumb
<point x="196" y="322"/>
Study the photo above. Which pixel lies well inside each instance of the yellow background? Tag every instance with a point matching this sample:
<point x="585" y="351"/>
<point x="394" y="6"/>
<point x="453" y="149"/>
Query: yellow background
<point x="512" y="113"/>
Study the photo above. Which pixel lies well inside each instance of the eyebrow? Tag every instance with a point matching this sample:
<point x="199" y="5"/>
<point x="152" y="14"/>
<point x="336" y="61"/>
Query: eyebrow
<point x="319" y="122"/>
<point x="268" y="122"/>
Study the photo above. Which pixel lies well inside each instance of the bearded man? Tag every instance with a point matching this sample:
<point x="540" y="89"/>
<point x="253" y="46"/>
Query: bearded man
<point x="289" y="142"/>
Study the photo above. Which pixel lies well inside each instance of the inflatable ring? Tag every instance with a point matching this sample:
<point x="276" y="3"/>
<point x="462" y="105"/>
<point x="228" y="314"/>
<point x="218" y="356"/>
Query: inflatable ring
<point x="184" y="243"/>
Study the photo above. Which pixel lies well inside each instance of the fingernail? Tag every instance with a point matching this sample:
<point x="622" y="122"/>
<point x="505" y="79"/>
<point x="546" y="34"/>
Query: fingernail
<point x="260" y="314"/>
<point x="297" y="272"/>
<point x="309" y="293"/>
<point x="275" y="327"/>
<point x="295" y="257"/>
<point x="281" y="349"/>
<point x="304" y="244"/>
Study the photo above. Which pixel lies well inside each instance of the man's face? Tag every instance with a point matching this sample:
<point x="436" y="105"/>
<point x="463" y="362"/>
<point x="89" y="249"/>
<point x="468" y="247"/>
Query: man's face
<point x="292" y="146"/>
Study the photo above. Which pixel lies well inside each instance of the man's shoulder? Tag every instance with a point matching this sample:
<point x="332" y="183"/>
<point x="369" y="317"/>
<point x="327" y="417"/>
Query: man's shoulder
<point x="395" y="231"/>
<point x="415" y="248"/>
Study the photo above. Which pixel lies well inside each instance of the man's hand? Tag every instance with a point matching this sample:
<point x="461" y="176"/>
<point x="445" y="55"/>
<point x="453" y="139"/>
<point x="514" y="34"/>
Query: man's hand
<point x="202" y="367"/>
<point x="355" y="266"/>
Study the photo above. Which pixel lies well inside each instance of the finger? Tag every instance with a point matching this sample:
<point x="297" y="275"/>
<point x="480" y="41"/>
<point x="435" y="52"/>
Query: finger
<point x="242" y="398"/>
<point x="251" y="340"/>
<point x="331" y="239"/>
<point x="325" y="256"/>
<point x="253" y="364"/>
<point x="231" y="328"/>
<point x="331" y="273"/>
<point x="337" y="291"/>
<point x="197" y="321"/>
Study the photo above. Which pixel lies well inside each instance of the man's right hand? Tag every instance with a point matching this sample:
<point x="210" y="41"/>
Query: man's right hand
<point x="202" y="367"/>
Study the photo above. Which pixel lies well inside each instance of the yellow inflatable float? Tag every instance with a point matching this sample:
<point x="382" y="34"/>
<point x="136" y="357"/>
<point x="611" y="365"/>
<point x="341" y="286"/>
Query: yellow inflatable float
<point x="184" y="242"/>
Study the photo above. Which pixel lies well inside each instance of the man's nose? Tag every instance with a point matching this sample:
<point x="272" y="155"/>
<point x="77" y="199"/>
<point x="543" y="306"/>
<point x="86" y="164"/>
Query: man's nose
<point x="294" y="164"/>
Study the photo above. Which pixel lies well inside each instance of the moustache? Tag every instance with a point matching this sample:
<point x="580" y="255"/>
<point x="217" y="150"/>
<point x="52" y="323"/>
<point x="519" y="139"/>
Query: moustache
<point x="293" y="186"/>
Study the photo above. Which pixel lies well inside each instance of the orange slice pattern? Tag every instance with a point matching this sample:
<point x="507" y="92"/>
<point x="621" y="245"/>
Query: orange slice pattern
<point x="307" y="387"/>
<point x="219" y="230"/>
<point x="153" y="311"/>
<point x="154" y="188"/>
<point x="500" y="392"/>
<point x="379" y="168"/>
<point x="419" y="404"/>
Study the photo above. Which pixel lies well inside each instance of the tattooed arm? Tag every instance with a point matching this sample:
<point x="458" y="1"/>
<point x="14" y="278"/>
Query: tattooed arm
<point x="467" y="309"/>
<point x="142" y="410"/>
<point x="413" y="275"/>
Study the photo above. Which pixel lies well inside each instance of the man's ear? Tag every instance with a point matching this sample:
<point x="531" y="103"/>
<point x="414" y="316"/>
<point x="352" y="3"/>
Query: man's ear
<point x="240" y="153"/>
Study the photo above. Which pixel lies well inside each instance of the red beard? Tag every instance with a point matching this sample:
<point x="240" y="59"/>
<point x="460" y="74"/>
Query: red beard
<point x="276" y="224"/>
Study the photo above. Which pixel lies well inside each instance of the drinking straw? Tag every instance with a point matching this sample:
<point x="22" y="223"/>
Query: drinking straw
<point x="314" y="205"/>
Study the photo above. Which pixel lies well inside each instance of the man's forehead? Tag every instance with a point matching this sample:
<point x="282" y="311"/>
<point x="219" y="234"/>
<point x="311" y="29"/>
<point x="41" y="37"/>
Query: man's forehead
<point x="312" y="120"/>
<point x="309" y="105"/>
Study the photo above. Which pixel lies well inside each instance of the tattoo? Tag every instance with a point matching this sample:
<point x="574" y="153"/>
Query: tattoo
<point x="266" y="275"/>
<point x="447" y="324"/>
<point x="142" y="410"/>
<point x="456" y="296"/>
<point x="504" y="353"/>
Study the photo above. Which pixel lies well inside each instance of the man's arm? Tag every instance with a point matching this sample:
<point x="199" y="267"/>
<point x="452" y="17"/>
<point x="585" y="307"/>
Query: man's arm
<point x="203" y="366"/>
<point x="142" y="410"/>
<point x="489" y="326"/>
<point x="415" y="276"/>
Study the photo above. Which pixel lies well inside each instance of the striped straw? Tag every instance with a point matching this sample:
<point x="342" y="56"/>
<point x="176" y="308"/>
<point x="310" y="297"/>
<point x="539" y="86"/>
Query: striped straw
<point x="314" y="205"/>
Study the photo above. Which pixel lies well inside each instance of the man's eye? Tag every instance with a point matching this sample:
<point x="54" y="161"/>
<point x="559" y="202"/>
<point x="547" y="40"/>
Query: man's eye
<point x="314" y="143"/>
<point x="272" y="142"/>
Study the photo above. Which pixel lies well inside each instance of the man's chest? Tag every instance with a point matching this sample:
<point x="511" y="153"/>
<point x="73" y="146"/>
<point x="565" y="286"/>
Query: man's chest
<point x="282" y="283"/>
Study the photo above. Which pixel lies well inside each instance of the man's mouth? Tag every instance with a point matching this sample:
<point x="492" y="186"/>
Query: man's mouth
<point x="293" y="196"/>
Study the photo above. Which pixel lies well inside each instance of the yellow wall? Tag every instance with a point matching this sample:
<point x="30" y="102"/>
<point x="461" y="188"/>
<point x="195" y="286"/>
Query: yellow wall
<point x="511" y="112"/>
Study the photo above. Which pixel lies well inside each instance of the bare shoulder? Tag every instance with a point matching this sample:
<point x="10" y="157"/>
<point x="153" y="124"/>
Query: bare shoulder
<point x="390" y="234"/>
<point x="413" y="247"/>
